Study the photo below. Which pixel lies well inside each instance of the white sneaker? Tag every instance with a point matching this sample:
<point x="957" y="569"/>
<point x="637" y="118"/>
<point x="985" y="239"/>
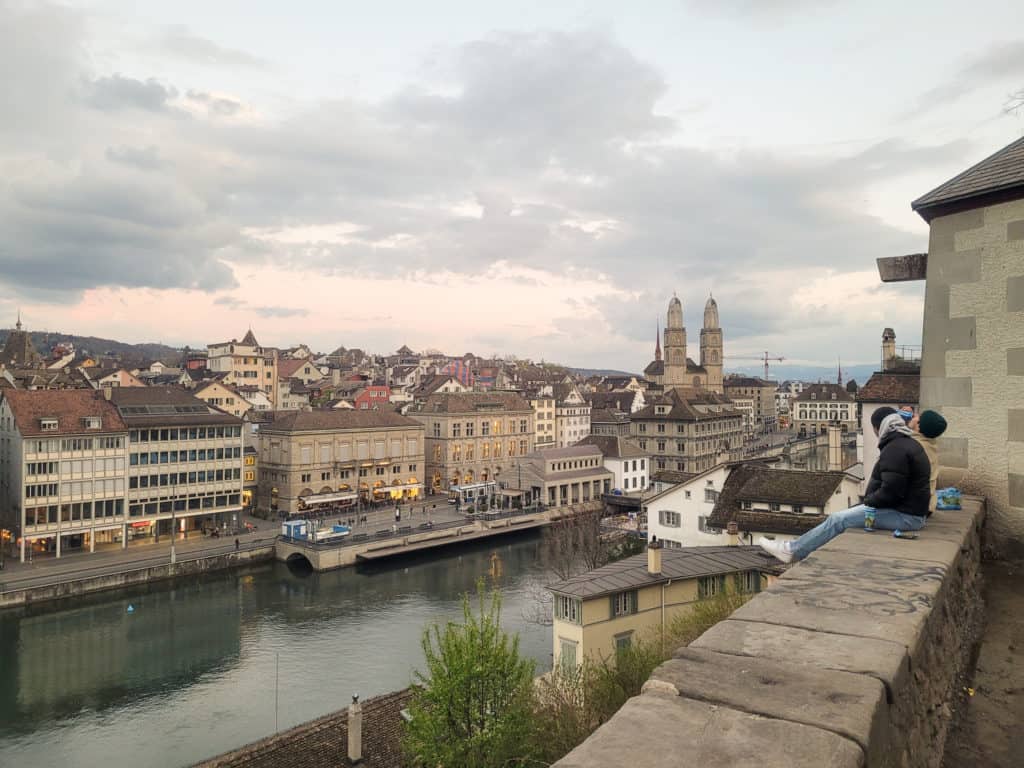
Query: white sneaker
<point x="776" y="549"/>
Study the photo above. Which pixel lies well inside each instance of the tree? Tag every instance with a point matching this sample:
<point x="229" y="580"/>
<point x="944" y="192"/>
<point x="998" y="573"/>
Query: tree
<point x="473" y="707"/>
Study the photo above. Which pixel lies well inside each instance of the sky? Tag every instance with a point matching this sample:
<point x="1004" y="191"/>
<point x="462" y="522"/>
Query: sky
<point x="529" y="178"/>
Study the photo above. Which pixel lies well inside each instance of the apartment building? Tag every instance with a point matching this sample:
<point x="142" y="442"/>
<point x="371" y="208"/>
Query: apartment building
<point x="246" y="363"/>
<point x="62" y="472"/>
<point x="762" y="392"/>
<point x="820" y="405"/>
<point x="688" y="430"/>
<point x="572" y="415"/>
<point x="184" y="462"/>
<point x="314" y="461"/>
<point x="543" y="403"/>
<point x="223" y="397"/>
<point x="473" y="437"/>
<point x="601" y="612"/>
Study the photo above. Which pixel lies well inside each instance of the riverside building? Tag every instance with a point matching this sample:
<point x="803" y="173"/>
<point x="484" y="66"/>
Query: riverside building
<point x="332" y="458"/>
<point x="62" y="472"/>
<point x="184" y="462"/>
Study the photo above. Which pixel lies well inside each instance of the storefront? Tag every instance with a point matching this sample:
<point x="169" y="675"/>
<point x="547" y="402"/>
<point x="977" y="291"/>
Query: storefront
<point x="326" y="503"/>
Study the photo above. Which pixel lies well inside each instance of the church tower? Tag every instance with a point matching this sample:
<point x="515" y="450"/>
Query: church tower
<point x="675" y="346"/>
<point x="711" y="351"/>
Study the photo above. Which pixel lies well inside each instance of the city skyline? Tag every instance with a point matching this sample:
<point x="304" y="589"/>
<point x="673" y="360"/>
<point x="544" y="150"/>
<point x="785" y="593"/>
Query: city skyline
<point x="533" y="182"/>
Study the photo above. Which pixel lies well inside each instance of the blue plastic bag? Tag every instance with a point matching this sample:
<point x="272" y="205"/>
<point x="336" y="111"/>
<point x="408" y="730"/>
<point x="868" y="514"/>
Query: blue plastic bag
<point x="947" y="498"/>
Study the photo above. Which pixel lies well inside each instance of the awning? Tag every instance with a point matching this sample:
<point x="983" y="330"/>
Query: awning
<point x="327" y="498"/>
<point x="407" y="486"/>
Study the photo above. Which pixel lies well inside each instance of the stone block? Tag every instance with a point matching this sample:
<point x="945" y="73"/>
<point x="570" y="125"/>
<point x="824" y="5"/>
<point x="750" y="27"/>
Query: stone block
<point x="942" y="236"/>
<point x="931" y="546"/>
<point x="851" y="595"/>
<point x="940" y="391"/>
<point x="659" y="731"/>
<point x="1016" y="490"/>
<point x="1015" y="230"/>
<point x="1015" y="424"/>
<point x="882" y="659"/>
<point x="954" y="452"/>
<point x="1015" y="294"/>
<point x="1015" y="361"/>
<point x="961" y="333"/>
<point x="853" y="706"/>
<point x="955" y="267"/>
<point x="898" y="269"/>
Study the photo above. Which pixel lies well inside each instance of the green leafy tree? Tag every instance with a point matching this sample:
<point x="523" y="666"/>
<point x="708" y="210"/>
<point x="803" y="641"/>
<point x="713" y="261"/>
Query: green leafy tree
<point x="473" y="707"/>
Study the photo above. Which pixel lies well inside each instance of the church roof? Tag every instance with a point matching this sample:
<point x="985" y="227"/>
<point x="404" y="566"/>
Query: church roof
<point x="656" y="368"/>
<point x="18" y="351"/>
<point x="250" y="339"/>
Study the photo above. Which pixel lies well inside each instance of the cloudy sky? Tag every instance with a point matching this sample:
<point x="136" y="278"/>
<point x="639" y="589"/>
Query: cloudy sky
<point x="531" y="178"/>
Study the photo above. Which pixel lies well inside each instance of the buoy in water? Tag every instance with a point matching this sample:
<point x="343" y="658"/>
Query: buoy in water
<point x="131" y="608"/>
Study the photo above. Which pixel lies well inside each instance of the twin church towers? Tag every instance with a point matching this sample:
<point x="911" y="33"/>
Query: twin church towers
<point x="676" y="369"/>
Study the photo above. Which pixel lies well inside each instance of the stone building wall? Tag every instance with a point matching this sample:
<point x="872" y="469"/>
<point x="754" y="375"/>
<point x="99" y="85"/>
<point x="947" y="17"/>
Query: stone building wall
<point x="972" y="367"/>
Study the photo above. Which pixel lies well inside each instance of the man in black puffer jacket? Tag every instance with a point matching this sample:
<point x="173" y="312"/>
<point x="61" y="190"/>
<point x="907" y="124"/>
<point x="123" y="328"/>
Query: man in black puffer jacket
<point x="898" y="492"/>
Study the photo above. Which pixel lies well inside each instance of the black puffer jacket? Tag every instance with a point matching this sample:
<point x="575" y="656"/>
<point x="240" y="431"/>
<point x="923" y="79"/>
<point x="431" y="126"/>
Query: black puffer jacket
<point x="900" y="479"/>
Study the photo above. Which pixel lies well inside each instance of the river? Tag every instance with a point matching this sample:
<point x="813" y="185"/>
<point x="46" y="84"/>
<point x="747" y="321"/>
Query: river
<point x="190" y="672"/>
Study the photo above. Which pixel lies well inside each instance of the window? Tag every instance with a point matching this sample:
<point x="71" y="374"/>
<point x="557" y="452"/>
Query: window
<point x="798" y="508"/>
<point x="457" y="429"/>
<point x="710" y="495"/>
<point x="568" y="609"/>
<point x="306" y="477"/>
<point x="469" y="429"/>
<point x="624" y="603"/>
<point x="567" y="656"/>
<point x="774" y="506"/>
<point x="748" y="581"/>
<point x="702" y="526"/>
<point x="48" y="425"/>
<point x="250" y="461"/>
<point x="485" y="428"/>
<point x="623" y="642"/>
<point x="437" y="429"/>
<point x="250" y="476"/>
<point x="661" y="446"/>
<point x="709" y="586"/>
<point x="687" y="494"/>
<point x="643" y="427"/>
<point x="668" y="518"/>
<point x="746" y="505"/>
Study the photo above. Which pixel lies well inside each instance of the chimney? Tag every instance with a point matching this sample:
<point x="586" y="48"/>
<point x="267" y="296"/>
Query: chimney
<point x="732" y="529"/>
<point x="106" y="392"/>
<point x="355" y="730"/>
<point x="654" y="557"/>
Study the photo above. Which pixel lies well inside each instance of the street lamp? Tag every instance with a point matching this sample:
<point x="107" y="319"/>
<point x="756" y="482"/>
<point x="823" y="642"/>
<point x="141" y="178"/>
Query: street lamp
<point x="174" y="557"/>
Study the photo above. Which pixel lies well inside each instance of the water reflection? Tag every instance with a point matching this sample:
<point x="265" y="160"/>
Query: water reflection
<point x="191" y="672"/>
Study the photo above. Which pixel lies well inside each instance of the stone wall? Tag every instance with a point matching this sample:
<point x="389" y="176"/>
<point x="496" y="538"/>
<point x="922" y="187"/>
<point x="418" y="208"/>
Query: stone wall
<point x="132" y="576"/>
<point x="851" y="660"/>
<point x="972" y="365"/>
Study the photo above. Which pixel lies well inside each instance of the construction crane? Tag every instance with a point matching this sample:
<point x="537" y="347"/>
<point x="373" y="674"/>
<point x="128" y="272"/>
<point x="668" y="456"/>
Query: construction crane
<point x="761" y="358"/>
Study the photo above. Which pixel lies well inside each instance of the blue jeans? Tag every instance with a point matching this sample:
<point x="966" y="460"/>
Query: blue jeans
<point x="837" y="522"/>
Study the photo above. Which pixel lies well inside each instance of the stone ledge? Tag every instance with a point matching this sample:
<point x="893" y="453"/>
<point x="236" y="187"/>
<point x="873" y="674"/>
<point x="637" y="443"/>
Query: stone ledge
<point x="858" y="647"/>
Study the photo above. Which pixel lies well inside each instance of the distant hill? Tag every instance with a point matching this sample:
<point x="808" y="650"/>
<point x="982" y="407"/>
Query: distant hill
<point x="44" y="341"/>
<point x="587" y="372"/>
<point x="808" y="373"/>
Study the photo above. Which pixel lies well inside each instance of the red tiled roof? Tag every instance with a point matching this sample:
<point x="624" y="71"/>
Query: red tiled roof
<point x="69" y="406"/>
<point x="899" y="388"/>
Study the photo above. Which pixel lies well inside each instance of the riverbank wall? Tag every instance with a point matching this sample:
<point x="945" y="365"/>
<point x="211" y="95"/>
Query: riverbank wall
<point x="76" y="586"/>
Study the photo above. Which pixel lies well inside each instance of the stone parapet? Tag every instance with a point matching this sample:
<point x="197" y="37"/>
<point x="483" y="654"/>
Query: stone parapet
<point x="851" y="660"/>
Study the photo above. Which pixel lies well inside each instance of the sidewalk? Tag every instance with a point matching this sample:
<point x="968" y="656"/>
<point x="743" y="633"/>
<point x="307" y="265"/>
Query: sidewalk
<point x="137" y="554"/>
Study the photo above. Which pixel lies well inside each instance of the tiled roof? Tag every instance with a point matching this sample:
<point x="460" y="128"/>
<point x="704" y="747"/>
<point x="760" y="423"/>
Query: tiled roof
<point x="620" y="401"/>
<point x="614" y="446"/>
<point x="603" y="416"/>
<point x="69" y="406"/>
<point x="324" y="741"/>
<point x="472" y="402"/>
<point x="286" y="368"/>
<point x="327" y="419"/>
<point x="250" y="339"/>
<point x="578" y="451"/>
<point x="823" y="393"/>
<point x="747" y="381"/>
<point x="671" y="476"/>
<point x="899" y="388"/>
<point x="757" y="482"/>
<point x="683" y="406"/>
<point x="686" y="563"/>
<point x="1000" y="172"/>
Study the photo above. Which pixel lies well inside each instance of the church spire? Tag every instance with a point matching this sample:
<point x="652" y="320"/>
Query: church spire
<point x="18" y="324"/>
<point x="839" y="378"/>
<point x="657" y="340"/>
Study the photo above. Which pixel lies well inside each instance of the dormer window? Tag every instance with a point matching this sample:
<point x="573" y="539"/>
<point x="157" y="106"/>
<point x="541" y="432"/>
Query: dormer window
<point x="813" y="396"/>
<point x="746" y="505"/>
<point x="48" y="425"/>
<point x="92" y="422"/>
<point x="833" y="395"/>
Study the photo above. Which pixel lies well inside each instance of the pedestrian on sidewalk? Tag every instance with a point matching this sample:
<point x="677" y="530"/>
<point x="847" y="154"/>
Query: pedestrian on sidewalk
<point x="236" y="545"/>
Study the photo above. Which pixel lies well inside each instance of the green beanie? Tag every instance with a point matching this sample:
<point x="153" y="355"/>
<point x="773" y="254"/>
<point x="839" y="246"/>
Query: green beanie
<point x="931" y="424"/>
